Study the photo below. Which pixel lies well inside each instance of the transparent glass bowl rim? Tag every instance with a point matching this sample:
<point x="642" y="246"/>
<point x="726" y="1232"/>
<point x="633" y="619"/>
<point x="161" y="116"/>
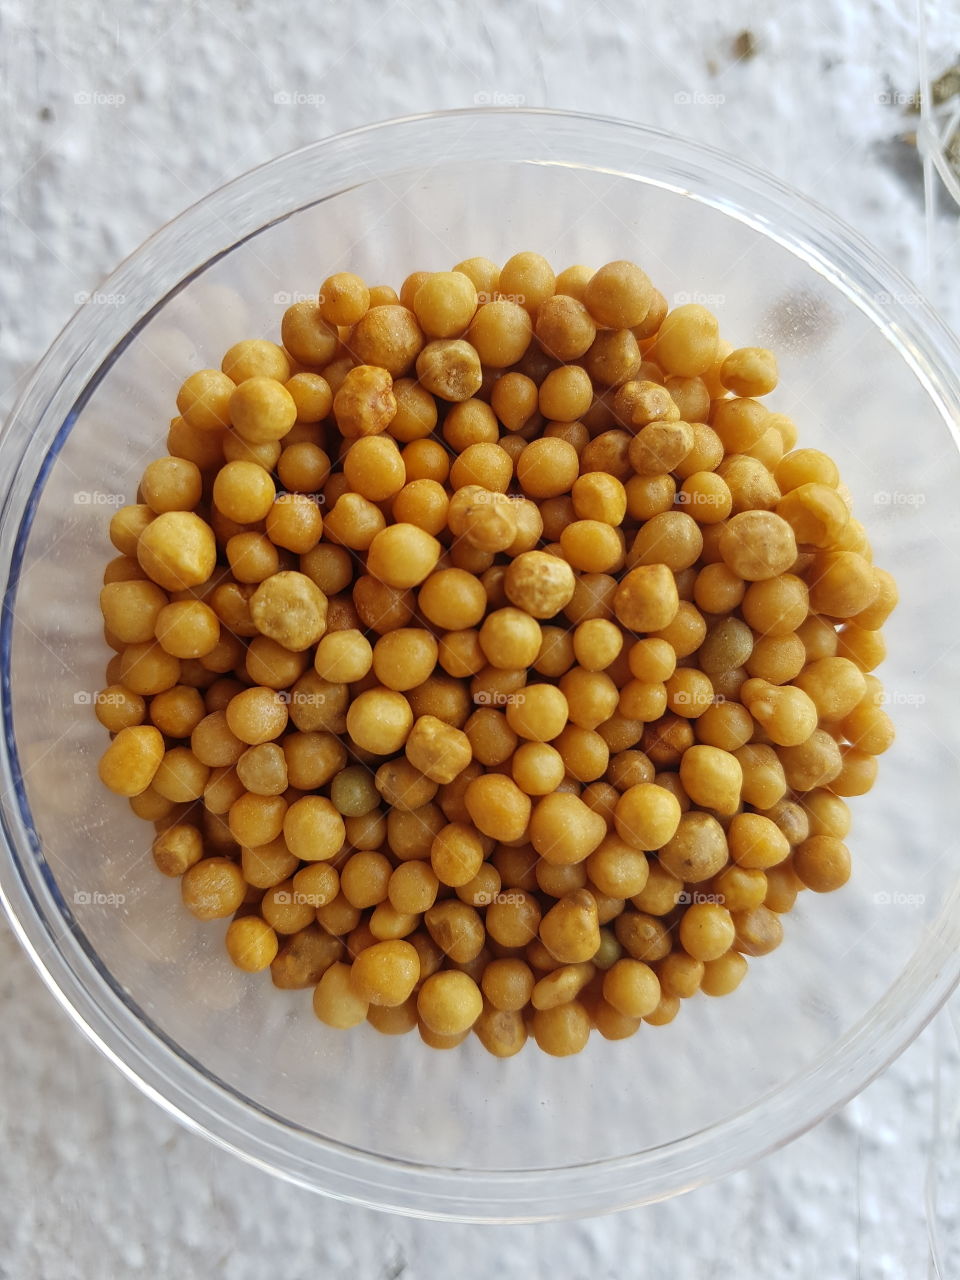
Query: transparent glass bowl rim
<point x="45" y="413"/>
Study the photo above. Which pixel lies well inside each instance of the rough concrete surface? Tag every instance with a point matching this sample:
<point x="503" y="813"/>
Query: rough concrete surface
<point x="116" y="117"/>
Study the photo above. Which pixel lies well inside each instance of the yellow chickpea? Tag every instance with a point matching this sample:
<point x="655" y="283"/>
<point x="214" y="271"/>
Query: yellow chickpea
<point x="450" y="369"/>
<point x="876" y="614"/>
<point x="698" y="850"/>
<point x="313" y="397"/>
<point x="413" y="887"/>
<point x="822" y="863"/>
<point x="126" y="526"/>
<point x="842" y="584"/>
<point x="617" y="868"/>
<point x="547" y="467"/>
<point x="764" y="782"/>
<point x="500" y="332"/>
<point x="118" y="708"/>
<point x="570" y="929"/>
<point x="130" y="610"/>
<point x="177" y="550"/>
<point x="723" y="975"/>
<point x="618" y="295"/>
<point x="251" y="944"/>
<point x="212" y="888"/>
<point x="290" y="608"/>
<point x="437" y="750"/>
<point x="564" y="327"/>
<point x="564" y="830"/>
<point x="457" y="929"/>
<point x="256" y="358"/>
<point x="707" y="931"/>
<point x="261" y="410"/>
<point x="865" y="648"/>
<point x="307" y="335"/>
<point x="538" y="712"/>
<point x="597" y="643"/>
<point x="528" y="279"/>
<point x="632" y="988"/>
<point x="539" y="583"/>
<point x="537" y="769"/>
<point x="344" y="298"/>
<point x="561" y="985"/>
<point x="647" y="816"/>
<point x="403" y="555"/>
<point x="816" y="513"/>
<point x="336" y="1002"/>
<point x="147" y="669"/>
<point x="449" y="1002"/>
<point x="171" y="484"/>
<point x="445" y="304"/>
<point x="869" y="728"/>
<point x="835" y="685"/>
<point x="379" y="720"/>
<point x="294" y="522"/>
<point x="130" y="763"/>
<point x="787" y="714"/>
<point x="562" y="1030"/>
<point x="364" y="404"/>
<point x="204" y="400"/>
<point x="757" y="545"/>
<point x="177" y="848"/>
<point x="712" y="778"/>
<point x="687" y="341"/>
<point x="508" y="984"/>
<point x="256" y="820"/>
<point x="313" y="829"/>
<point x="386" y="973"/>
<point x="497" y="807"/>
<point x="646" y="598"/>
<point x="749" y="371"/>
<point x="756" y="842"/>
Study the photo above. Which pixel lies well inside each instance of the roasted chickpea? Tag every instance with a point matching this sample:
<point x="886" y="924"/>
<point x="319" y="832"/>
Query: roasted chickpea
<point x="204" y="400"/>
<point x="564" y="830"/>
<point x="291" y="609"/>
<point x="403" y="555"/>
<point x="212" y="888"/>
<point x="532" y="675"/>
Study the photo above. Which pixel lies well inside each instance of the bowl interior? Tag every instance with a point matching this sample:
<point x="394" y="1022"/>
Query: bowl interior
<point x="856" y="389"/>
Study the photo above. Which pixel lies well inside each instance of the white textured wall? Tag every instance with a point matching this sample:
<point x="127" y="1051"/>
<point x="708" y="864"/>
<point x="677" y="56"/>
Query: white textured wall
<point x="116" y="116"/>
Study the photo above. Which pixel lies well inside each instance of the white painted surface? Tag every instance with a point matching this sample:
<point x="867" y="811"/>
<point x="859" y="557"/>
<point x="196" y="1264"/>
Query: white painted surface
<point x="117" y="117"/>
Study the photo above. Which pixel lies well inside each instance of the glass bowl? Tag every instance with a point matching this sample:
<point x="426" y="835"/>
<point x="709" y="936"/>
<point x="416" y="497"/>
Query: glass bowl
<point x="869" y="373"/>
